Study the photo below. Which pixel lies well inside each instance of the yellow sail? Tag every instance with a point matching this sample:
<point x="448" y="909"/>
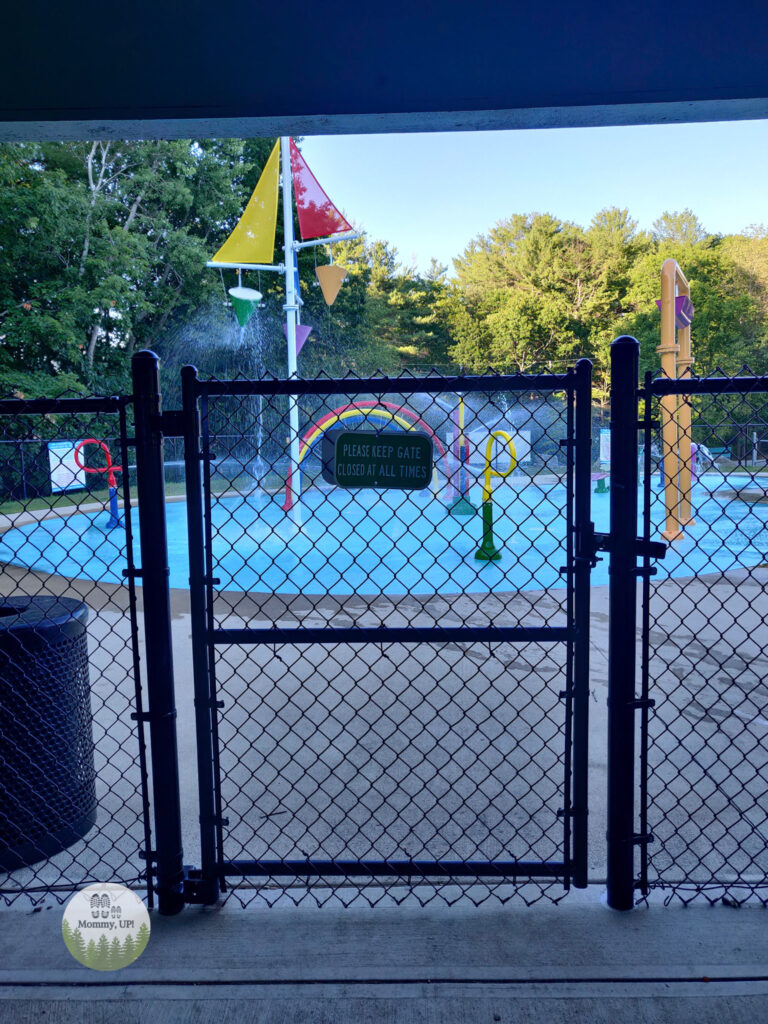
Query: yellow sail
<point x="253" y="237"/>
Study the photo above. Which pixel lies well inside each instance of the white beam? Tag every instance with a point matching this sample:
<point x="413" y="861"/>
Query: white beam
<point x="344" y="237"/>
<point x="279" y="267"/>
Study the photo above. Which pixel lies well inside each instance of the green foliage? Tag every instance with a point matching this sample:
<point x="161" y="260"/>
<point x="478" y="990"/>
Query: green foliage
<point x="100" y="245"/>
<point x="103" y="248"/>
<point x="682" y="228"/>
<point x="538" y="293"/>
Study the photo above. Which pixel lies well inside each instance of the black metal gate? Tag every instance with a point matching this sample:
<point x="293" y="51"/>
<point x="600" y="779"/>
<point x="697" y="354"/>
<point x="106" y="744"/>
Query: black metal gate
<point x="374" y="703"/>
<point x="699" y="711"/>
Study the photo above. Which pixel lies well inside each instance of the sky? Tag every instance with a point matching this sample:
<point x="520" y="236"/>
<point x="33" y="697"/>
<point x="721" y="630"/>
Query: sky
<point x="430" y="194"/>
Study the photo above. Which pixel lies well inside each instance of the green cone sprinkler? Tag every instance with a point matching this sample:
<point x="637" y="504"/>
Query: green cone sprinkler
<point x="488" y="552"/>
<point x="245" y="302"/>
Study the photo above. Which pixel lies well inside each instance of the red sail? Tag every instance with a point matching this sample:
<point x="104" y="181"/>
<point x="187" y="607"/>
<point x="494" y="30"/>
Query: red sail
<point x="318" y="216"/>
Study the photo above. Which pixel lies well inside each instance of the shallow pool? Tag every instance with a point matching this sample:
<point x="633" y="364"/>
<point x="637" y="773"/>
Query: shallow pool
<point x="391" y="542"/>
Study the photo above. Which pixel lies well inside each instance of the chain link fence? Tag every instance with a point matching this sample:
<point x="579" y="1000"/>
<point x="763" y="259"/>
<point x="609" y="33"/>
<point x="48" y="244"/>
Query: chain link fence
<point x="74" y="806"/>
<point x="704" y="770"/>
<point x="392" y="671"/>
<point x="370" y="736"/>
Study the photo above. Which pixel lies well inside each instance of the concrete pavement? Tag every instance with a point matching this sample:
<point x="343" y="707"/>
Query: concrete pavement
<point x="575" y="962"/>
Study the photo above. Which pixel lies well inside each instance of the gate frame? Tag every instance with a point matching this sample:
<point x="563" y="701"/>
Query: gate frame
<point x="624" y="547"/>
<point x="204" y="885"/>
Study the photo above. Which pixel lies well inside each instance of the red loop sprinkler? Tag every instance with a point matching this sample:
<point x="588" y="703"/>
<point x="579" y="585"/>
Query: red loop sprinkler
<point x="109" y="469"/>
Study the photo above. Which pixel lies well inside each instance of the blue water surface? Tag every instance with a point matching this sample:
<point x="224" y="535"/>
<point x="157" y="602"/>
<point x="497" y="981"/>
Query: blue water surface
<point x="393" y="542"/>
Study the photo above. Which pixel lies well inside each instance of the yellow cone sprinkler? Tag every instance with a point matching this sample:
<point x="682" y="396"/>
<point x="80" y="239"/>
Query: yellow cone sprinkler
<point x="488" y="552"/>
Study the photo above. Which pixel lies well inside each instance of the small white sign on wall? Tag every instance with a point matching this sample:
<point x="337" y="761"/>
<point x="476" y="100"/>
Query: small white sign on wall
<point x="478" y="440"/>
<point x="66" y="475"/>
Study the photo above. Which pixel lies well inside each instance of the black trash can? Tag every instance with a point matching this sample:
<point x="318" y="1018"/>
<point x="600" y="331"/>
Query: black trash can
<point x="47" y="776"/>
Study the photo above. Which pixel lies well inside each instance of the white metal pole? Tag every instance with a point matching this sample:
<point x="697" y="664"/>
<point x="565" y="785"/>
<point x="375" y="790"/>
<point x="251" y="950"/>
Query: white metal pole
<point x="291" y="310"/>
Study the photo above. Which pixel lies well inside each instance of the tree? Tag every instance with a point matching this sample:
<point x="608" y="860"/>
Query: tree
<point x="529" y="291"/>
<point x="103" y="244"/>
<point x="730" y="326"/>
<point x="683" y="228"/>
<point x="103" y="247"/>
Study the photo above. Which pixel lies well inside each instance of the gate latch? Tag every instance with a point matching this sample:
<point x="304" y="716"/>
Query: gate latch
<point x="588" y="543"/>
<point x="594" y="541"/>
<point x="651" y="548"/>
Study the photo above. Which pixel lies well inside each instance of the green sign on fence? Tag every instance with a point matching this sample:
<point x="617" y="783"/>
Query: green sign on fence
<point x="366" y="458"/>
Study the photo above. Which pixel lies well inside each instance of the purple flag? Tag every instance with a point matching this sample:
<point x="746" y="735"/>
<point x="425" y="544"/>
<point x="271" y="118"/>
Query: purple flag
<point x="684" y="310"/>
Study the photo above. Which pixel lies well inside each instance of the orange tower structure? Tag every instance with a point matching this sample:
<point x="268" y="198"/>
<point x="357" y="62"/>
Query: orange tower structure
<point x="676" y="361"/>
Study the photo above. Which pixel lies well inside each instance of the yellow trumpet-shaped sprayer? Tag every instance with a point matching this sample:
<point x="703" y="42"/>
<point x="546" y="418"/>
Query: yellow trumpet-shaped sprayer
<point x="488" y="552"/>
<point x="489" y="470"/>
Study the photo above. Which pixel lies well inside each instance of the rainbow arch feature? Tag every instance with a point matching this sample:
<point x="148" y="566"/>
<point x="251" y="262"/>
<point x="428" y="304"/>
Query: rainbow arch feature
<point x="386" y="413"/>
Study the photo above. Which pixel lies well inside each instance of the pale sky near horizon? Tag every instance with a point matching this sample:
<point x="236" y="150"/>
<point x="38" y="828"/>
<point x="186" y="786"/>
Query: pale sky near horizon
<point x="430" y="194"/>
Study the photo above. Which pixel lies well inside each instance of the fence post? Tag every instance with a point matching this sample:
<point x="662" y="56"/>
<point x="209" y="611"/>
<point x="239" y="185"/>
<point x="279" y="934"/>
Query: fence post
<point x="622" y="610"/>
<point x="581" y="584"/>
<point x="208" y="884"/>
<point x="150" y="485"/>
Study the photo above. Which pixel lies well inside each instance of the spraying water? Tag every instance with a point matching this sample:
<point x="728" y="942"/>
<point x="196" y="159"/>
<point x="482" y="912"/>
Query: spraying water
<point x="218" y="346"/>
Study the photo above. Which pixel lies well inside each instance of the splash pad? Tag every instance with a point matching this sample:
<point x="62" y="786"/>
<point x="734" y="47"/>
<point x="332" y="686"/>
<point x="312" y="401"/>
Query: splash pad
<point x="370" y="542"/>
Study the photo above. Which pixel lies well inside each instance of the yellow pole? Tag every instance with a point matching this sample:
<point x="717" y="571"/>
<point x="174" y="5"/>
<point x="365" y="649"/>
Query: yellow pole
<point x="488" y="552"/>
<point x="684" y="363"/>
<point x="461" y="505"/>
<point x="668" y="350"/>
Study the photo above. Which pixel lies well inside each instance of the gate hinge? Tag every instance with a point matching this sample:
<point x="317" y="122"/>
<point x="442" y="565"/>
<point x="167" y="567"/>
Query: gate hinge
<point x="642" y="702"/>
<point x="570" y="813"/>
<point x="152" y="716"/>
<point x="212" y="705"/>
<point x="171" y="423"/>
<point x="138" y="574"/>
<point x="198" y="889"/>
<point x="643" y="840"/>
